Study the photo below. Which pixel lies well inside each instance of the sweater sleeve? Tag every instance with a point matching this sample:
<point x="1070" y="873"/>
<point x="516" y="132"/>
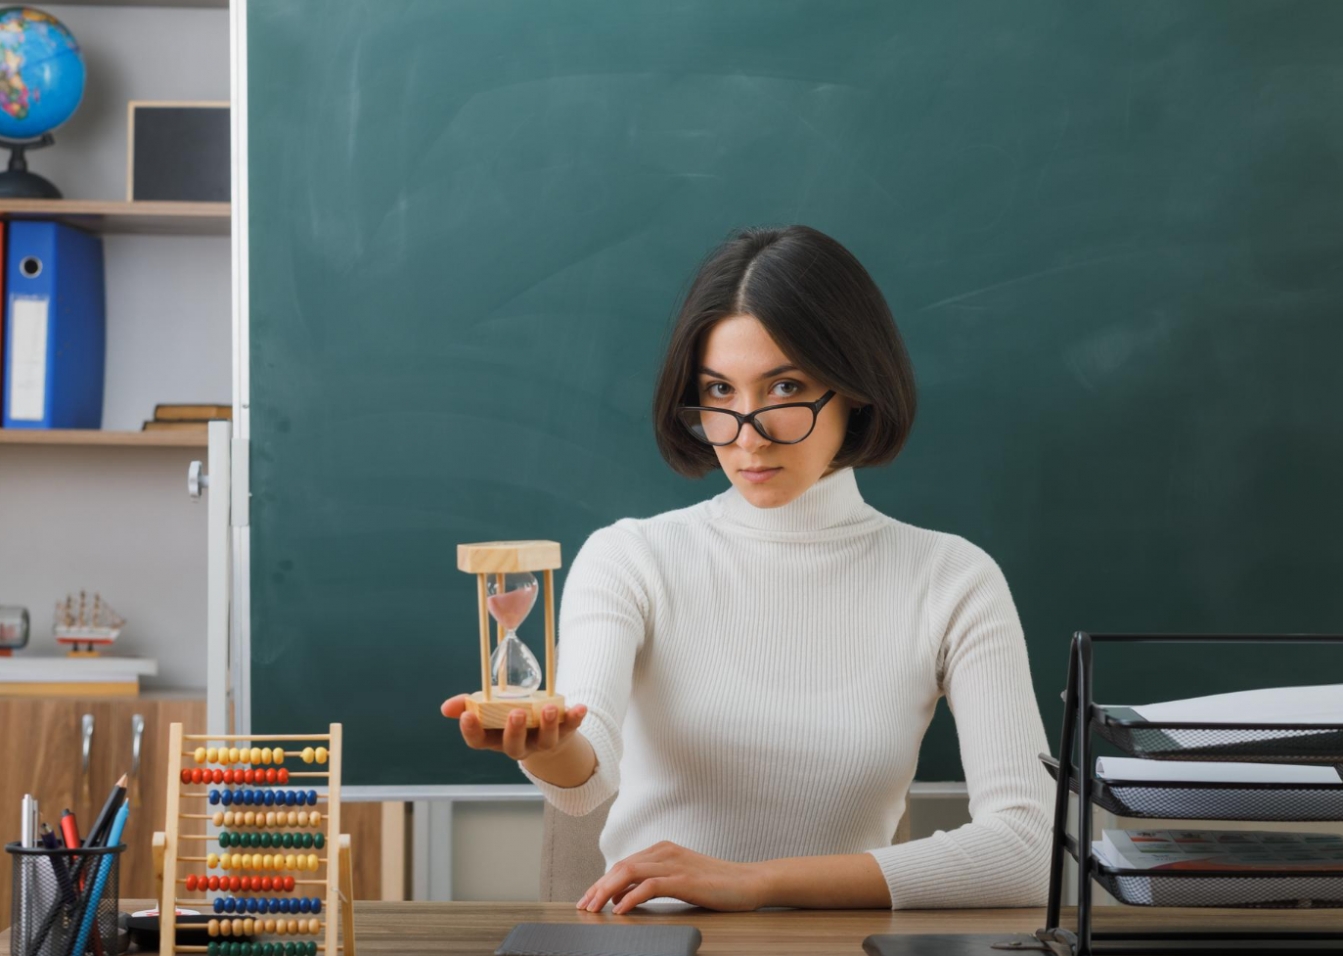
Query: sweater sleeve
<point x="603" y="623"/>
<point x="1000" y="858"/>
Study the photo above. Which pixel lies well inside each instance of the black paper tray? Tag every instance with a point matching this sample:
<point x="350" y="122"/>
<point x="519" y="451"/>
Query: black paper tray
<point x="1273" y="889"/>
<point x="1251" y="743"/>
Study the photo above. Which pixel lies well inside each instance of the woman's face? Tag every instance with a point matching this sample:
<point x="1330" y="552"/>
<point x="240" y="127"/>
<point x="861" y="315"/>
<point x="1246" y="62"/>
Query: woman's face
<point x="741" y="368"/>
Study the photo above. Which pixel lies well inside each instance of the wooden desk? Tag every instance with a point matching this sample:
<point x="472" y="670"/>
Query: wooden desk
<point x="477" y="929"/>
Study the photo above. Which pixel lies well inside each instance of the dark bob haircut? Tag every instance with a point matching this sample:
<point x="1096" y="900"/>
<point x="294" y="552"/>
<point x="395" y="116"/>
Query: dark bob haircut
<point x="826" y="314"/>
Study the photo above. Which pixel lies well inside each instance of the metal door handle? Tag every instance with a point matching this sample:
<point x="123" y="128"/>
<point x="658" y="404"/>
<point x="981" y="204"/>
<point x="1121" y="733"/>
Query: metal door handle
<point x="87" y="752"/>
<point x="137" y="738"/>
<point x="197" y="480"/>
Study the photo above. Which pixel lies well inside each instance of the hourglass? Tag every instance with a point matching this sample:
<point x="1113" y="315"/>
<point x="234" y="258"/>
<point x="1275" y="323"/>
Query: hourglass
<point x="507" y="590"/>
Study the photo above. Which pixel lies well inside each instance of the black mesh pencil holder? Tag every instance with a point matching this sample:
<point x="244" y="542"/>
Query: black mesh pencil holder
<point x="54" y="893"/>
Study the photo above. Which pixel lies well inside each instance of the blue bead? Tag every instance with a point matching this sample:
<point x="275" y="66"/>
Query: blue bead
<point x="312" y="798"/>
<point x="226" y="798"/>
<point x="304" y="905"/>
<point x="253" y="906"/>
<point x="230" y="905"/>
<point x="274" y="905"/>
<point x="270" y="798"/>
<point x="289" y="798"/>
<point x="219" y="904"/>
<point x="317" y="904"/>
<point x="249" y="797"/>
<point x="214" y="797"/>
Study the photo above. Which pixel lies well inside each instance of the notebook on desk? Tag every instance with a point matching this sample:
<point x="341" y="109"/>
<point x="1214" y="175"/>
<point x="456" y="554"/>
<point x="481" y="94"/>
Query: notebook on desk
<point x="897" y="944"/>
<point x="578" y="939"/>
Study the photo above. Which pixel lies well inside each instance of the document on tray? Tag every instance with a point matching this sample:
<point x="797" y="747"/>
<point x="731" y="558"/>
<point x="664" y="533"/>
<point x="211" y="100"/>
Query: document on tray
<point x="1134" y="770"/>
<point x="1243" y="850"/>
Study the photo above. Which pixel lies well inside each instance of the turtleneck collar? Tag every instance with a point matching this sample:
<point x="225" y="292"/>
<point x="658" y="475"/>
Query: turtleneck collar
<point x="832" y="502"/>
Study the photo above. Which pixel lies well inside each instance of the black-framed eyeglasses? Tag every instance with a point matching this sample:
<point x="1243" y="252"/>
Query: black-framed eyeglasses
<point x="786" y="424"/>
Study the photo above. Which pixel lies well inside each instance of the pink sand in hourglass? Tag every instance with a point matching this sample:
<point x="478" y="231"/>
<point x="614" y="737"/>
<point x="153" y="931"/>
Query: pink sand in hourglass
<point x="512" y="607"/>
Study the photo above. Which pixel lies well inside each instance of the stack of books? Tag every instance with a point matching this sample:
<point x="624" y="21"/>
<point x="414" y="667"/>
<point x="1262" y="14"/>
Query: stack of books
<point x="103" y="676"/>
<point x="191" y="418"/>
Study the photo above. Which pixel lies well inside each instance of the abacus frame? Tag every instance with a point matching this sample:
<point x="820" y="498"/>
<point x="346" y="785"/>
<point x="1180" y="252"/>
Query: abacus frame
<point x="337" y="880"/>
<point x="500" y="558"/>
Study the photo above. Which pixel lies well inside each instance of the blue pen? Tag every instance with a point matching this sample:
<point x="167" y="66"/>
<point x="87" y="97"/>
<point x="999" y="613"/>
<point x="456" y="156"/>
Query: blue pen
<point x="104" y="869"/>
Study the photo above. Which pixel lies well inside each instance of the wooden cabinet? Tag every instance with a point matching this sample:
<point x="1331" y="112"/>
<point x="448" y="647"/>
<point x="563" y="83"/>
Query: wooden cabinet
<point x="42" y="753"/>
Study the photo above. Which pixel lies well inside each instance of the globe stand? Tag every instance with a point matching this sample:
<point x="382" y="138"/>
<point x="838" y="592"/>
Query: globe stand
<point x="17" y="182"/>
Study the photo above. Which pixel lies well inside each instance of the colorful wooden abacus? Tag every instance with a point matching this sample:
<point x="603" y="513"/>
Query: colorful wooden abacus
<point x="272" y="828"/>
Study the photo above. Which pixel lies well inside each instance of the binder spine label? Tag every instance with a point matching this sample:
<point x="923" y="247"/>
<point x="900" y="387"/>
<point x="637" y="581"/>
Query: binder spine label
<point x="28" y="358"/>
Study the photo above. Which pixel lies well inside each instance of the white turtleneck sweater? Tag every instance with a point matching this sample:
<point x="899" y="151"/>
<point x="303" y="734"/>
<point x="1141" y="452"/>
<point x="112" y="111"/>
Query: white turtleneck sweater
<point x="758" y="682"/>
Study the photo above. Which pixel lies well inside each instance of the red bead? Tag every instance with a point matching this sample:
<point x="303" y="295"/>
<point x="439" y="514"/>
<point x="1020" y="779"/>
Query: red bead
<point x="288" y="882"/>
<point x="197" y="775"/>
<point x="283" y="775"/>
<point x="230" y="776"/>
<point x="235" y="883"/>
<point x="249" y="775"/>
<point x="218" y="775"/>
<point x="186" y="776"/>
<point x="214" y="883"/>
<point x="267" y="884"/>
<point x="191" y="881"/>
<point x="270" y="774"/>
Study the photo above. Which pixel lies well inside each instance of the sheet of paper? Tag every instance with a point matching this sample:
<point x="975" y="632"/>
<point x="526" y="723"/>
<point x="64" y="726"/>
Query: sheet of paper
<point x="1195" y="771"/>
<point x="1319" y="704"/>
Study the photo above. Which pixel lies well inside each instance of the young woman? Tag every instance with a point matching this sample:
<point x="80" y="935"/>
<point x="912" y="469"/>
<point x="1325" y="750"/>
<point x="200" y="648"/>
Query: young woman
<point x="753" y="674"/>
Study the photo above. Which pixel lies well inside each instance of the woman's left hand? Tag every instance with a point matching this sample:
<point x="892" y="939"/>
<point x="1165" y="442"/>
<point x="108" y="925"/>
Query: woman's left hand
<point x="667" y="869"/>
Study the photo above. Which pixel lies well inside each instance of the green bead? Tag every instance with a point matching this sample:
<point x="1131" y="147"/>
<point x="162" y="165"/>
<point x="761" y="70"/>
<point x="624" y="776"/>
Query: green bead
<point x="212" y="950"/>
<point x="246" y="949"/>
<point x="223" y="838"/>
<point x="290" y="949"/>
<point x="265" y="839"/>
<point x="256" y="839"/>
<point x="288" y="840"/>
<point x="307" y="841"/>
<point x="319" y="840"/>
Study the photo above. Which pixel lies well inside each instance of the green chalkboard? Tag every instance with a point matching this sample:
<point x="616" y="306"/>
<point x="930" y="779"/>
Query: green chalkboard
<point x="1111" y="232"/>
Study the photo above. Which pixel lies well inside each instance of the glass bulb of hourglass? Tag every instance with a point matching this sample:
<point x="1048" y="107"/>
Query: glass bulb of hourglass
<point x="512" y="666"/>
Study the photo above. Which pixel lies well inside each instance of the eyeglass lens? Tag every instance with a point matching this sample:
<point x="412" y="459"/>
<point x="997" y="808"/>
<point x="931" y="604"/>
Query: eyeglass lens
<point x="777" y="424"/>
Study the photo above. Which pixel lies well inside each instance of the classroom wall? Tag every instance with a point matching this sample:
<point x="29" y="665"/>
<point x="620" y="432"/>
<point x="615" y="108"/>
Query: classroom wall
<point x="119" y="521"/>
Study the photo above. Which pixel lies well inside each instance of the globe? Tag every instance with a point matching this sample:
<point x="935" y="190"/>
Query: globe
<point x="41" y="73"/>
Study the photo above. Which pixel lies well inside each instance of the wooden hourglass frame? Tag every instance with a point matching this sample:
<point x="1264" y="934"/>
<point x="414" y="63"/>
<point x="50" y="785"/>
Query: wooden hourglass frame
<point x="500" y="558"/>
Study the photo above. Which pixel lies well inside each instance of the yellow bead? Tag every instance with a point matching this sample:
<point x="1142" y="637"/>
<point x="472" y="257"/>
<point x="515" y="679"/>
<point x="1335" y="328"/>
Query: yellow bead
<point x="281" y="926"/>
<point x="315" y="818"/>
<point x="255" y="755"/>
<point x="199" y="755"/>
<point x="212" y="860"/>
<point x="270" y="926"/>
<point x="312" y="862"/>
<point x="225" y="927"/>
<point x="314" y="926"/>
<point x="321" y="755"/>
<point x="237" y="927"/>
<point x="268" y="862"/>
<point x="270" y="818"/>
<point x="212" y="755"/>
<point x="278" y="756"/>
<point x="291" y="818"/>
<point x="265" y="755"/>
<point x="247" y="818"/>
<point x="293" y="926"/>
<point x="307" y="754"/>
<point x="248" y="926"/>
<point x="213" y="927"/>
<point x="289" y="861"/>
<point x="303" y="818"/>
<point x="217" y="818"/>
<point x="233" y="755"/>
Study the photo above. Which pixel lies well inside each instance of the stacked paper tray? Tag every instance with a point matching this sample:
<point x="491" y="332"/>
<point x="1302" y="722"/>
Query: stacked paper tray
<point x="1281" y="889"/>
<point x="1184" y="740"/>
<point x="1213" y="800"/>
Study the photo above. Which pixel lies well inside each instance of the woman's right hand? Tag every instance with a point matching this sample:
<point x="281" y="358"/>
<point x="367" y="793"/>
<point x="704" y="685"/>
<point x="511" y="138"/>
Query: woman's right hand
<point x="516" y="740"/>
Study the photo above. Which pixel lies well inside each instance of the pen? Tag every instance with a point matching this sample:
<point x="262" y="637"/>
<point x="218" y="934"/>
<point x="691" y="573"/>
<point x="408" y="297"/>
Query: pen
<point x="104" y="868"/>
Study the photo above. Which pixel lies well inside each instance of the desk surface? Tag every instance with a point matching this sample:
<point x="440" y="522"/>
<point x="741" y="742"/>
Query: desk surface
<point x="477" y="929"/>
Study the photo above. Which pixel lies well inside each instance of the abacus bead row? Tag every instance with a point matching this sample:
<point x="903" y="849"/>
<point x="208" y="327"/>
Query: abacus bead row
<point x="249" y="884"/>
<point x="266" y="798"/>
<point x="253" y="755"/>
<point x="250" y="775"/>
<point x="260" y="861"/>
<point x="273" y="904"/>
<point x="250" y="927"/>
<point x="256" y="755"/>
<point x="261" y="949"/>
<point x="265" y="841"/>
<point x="267" y="818"/>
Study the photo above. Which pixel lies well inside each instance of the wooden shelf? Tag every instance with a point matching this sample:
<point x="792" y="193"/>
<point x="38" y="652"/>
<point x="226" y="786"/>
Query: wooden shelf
<point x="143" y="218"/>
<point x="56" y="436"/>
